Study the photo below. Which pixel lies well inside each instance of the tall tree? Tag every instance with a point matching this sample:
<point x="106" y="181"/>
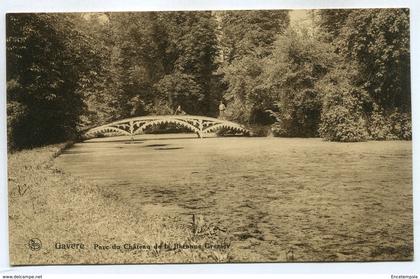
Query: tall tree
<point x="250" y="32"/>
<point x="190" y="58"/>
<point x="165" y="59"/>
<point x="332" y="21"/>
<point x="290" y="77"/>
<point x="377" y="41"/>
<point x="47" y="60"/>
<point x="247" y="40"/>
<point x="101" y="91"/>
<point x="138" y="55"/>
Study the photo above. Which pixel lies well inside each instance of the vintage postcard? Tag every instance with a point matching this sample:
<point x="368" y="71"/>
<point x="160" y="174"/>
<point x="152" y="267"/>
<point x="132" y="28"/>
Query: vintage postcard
<point x="209" y="136"/>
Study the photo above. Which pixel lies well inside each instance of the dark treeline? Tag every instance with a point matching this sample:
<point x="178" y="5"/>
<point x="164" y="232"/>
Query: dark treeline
<point x="344" y="77"/>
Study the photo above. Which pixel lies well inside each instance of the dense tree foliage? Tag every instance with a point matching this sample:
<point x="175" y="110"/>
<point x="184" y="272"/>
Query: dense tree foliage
<point x="49" y="61"/>
<point x="162" y="60"/>
<point x="342" y="115"/>
<point x="344" y="77"/>
<point x="377" y="41"/>
<point x="299" y="60"/>
<point x="191" y="49"/>
<point x="246" y="40"/>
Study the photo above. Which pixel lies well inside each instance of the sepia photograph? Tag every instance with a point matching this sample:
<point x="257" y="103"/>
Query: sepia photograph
<point x="219" y="136"/>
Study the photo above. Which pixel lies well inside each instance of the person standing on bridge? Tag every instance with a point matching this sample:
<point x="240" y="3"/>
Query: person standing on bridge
<point x="179" y="111"/>
<point x="222" y="109"/>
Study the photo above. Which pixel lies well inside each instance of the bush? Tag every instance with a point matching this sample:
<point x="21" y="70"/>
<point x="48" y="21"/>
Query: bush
<point x="300" y="59"/>
<point x="342" y="117"/>
<point x="160" y="107"/>
<point x="341" y="124"/>
<point x="166" y="128"/>
<point x="226" y="132"/>
<point x="181" y="89"/>
<point x="237" y="111"/>
<point x="15" y="114"/>
<point x="379" y="128"/>
<point x="279" y="130"/>
<point x="394" y="126"/>
<point x="260" y="130"/>
<point x="401" y="125"/>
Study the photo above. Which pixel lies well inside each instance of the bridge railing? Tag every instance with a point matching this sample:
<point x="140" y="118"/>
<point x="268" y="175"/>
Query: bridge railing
<point x="201" y="125"/>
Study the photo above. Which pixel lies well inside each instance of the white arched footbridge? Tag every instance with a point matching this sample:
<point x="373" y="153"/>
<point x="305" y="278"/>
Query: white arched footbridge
<point x="200" y="125"/>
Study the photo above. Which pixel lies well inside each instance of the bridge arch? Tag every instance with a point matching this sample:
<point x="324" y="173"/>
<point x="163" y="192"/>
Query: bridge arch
<point x="201" y="125"/>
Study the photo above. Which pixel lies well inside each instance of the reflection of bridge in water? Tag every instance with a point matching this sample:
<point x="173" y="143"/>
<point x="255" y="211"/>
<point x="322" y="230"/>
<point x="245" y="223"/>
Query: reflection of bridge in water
<point x="201" y="125"/>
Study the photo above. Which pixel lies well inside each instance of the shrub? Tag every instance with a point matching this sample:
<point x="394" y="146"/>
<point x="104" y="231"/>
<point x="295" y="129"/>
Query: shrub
<point x="15" y="114"/>
<point x="340" y="123"/>
<point x="238" y="111"/>
<point x="379" y="128"/>
<point x="396" y="125"/>
<point x="401" y="125"/>
<point x="181" y="89"/>
<point x="260" y="130"/>
<point x="342" y="117"/>
<point x="279" y="130"/>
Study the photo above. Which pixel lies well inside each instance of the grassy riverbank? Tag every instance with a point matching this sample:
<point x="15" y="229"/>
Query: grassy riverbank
<point x="58" y="209"/>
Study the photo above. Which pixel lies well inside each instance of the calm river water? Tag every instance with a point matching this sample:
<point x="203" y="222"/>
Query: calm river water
<point x="323" y="200"/>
